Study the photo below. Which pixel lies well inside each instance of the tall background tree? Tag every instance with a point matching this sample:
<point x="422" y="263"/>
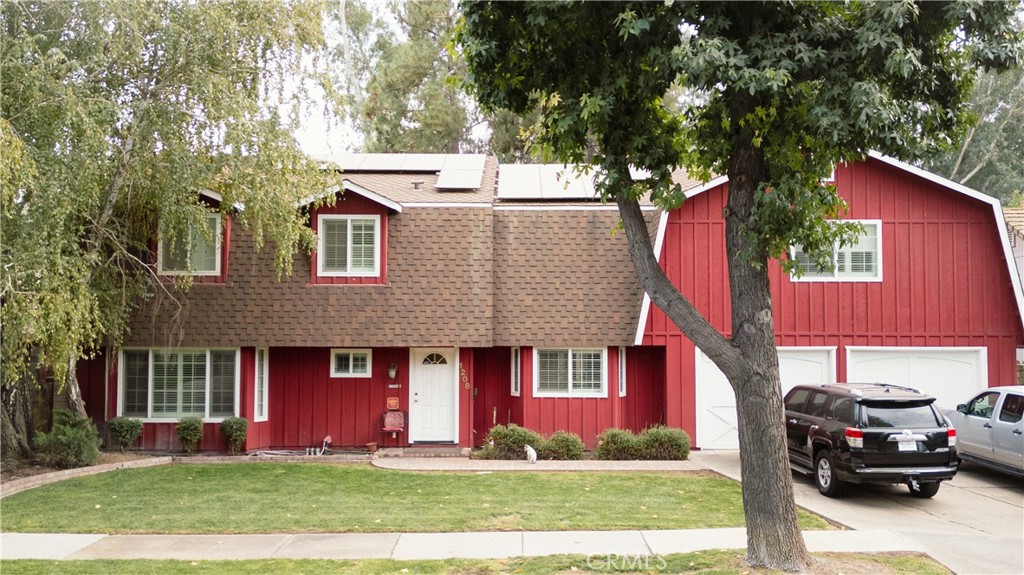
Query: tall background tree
<point x="398" y="80"/>
<point x="114" y="116"/>
<point x="990" y="156"/>
<point x="792" y="88"/>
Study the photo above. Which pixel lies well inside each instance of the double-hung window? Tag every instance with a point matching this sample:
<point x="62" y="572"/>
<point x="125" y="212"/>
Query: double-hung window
<point x="195" y="253"/>
<point x="858" y="261"/>
<point x="348" y="246"/>
<point x="570" y="373"/>
<point x="165" y="384"/>
<point x="351" y="362"/>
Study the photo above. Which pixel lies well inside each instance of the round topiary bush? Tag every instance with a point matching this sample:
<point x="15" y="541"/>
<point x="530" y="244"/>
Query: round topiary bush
<point x="125" y="431"/>
<point x="507" y="442"/>
<point x="617" y="444"/>
<point x="190" y="433"/>
<point x="234" y="431"/>
<point x="563" y="446"/>
<point x="662" y="442"/>
<point x="72" y="442"/>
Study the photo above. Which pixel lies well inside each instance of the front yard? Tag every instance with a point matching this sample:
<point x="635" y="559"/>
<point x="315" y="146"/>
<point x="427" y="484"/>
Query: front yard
<point x="275" y="498"/>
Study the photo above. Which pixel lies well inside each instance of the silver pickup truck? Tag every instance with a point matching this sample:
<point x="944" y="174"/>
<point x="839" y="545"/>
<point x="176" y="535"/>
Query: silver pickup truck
<point x="990" y="429"/>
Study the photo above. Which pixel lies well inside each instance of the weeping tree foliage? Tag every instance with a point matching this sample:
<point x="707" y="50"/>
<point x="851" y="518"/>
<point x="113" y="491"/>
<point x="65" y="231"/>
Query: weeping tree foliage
<point x="114" y="116"/>
<point x="396" y="77"/>
<point x="787" y="90"/>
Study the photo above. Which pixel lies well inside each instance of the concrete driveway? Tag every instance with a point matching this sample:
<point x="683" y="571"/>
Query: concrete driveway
<point x="975" y="525"/>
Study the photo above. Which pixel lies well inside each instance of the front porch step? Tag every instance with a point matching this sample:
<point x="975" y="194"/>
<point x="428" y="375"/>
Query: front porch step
<point x="424" y="451"/>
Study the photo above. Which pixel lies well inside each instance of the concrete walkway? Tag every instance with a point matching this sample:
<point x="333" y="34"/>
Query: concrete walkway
<point x="486" y="545"/>
<point x="402" y="546"/>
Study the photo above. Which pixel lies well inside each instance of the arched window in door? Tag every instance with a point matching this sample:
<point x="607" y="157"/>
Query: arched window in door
<point x="435" y="359"/>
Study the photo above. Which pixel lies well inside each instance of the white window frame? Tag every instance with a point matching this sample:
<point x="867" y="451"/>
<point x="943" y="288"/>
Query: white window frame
<point x="602" y="393"/>
<point x="149" y="418"/>
<point x="261" y="395"/>
<point x="622" y="372"/>
<point x="320" y="247"/>
<point x="838" y="276"/>
<point x="218" y="245"/>
<point x="352" y="353"/>
<point x="516" y="379"/>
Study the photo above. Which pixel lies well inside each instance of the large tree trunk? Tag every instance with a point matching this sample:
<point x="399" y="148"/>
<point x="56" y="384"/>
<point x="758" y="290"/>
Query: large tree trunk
<point x="17" y="427"/>
<point x="773" y="532"/>
<point x="73" y="393"/>
<point x="750" y="361"/>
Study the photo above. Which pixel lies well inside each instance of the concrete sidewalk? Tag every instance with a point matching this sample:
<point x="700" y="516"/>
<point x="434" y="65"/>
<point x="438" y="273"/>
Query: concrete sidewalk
<point x="406" y="546"/>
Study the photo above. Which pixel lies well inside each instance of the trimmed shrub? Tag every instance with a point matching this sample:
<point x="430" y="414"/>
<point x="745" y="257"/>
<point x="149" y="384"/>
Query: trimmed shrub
<point x="125" y="431"/>
<point x="662" y="442"/>
<point x="507" y="442"/>
<point x="190" y="433"/>
<point x="563" y="446"/>
<point x="617" y="444"/>
<point x="72" y="442"/>
<point x="234" y="431"/>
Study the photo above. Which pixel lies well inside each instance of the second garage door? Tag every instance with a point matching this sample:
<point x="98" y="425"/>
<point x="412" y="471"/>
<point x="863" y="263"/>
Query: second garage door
<point x="951" y="374"/>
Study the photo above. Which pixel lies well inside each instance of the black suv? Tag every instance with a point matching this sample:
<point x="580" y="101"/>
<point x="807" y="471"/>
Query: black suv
<point x="869" y="433"/>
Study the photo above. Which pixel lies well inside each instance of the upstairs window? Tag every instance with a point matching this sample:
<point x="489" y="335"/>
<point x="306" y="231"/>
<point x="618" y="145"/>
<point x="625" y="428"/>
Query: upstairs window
<point x="570" y="373"/>
<point x="859" y="261"/>
<point x="348" y="246"/>
<point x="351" y="362"/>
<point x="195" y="253"/>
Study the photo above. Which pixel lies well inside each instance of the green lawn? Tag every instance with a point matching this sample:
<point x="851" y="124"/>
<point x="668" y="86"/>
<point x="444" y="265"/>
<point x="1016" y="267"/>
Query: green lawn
<point x="703" y="563"/>
<point x="302" y="497"/>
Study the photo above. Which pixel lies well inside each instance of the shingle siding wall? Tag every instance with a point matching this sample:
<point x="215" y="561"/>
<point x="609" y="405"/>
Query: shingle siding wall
<point x="438" y="293"/>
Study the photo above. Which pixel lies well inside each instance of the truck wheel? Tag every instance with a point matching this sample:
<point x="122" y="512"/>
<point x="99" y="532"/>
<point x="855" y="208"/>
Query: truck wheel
<point x="924" y="490"/>
<point x="825" y="476"/>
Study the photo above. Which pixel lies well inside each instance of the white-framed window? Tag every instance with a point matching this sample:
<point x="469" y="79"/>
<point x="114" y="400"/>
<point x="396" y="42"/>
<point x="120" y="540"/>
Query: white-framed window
<point x="159" y="384"/>
<point x="261" y="398"/>
<point x="348" y="246"/>
<point x="860" y="261"/>
<point x="192" y="255"/>
<point x="351" y="362"/>
<point x="569" y="373"/>
<point x="516" y="382"/>
<point x="622" y="372"/>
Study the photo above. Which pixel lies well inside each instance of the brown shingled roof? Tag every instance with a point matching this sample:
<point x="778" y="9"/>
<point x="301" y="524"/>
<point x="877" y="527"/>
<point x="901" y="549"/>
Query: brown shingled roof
<point x="1015" y="220"/>
<point x="457" y="275"/>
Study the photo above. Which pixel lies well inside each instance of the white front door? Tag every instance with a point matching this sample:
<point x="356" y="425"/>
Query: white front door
<point x="716" y="402"/>
<point x="433" y="395"/>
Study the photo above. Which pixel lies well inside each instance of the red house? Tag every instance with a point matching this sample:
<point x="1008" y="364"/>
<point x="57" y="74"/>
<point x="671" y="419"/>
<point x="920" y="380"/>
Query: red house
<point x="469" y="294"/>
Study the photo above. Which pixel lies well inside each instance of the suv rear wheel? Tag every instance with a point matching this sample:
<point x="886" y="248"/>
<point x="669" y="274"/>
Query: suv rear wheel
<point x="825" y="475"/>
<point x="923" y="490"/>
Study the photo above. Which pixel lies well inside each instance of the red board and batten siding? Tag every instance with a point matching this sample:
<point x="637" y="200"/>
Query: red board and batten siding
<point x="945" y="281"/>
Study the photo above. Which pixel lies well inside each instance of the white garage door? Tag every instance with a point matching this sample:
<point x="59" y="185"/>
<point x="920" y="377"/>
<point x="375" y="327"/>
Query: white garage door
<point x="716" y="403"/>
<point x="951" y="374"/>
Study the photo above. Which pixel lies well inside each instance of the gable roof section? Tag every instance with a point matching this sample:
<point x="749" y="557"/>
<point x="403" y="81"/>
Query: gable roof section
<point x="997" y="214"/>
<point x="350" y="186"/>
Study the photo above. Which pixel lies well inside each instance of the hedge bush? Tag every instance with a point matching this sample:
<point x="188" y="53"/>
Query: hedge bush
<point x="617" y="444"/>
<point x="654" y="443"/>
<point x="190" y="433"/>
<point x="72" y="442"/>
<point x="662" y="442"/>
<point x="234" y="431"/>
<point x="125" y="431"/>
<point x="507" y="442"/>
<point x="562" y="446"/>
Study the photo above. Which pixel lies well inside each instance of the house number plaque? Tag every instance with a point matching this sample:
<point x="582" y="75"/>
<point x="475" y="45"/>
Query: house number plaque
<point x="464" y="377"/>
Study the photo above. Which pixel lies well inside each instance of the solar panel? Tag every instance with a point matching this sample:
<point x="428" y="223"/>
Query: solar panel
<point x="461" y="172"/>
<point x="544" y="182"/>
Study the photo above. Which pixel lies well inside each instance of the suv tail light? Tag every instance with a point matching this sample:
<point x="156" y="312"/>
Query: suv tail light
<point x="855" y="437"/>
<point x="951" y="432"/>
